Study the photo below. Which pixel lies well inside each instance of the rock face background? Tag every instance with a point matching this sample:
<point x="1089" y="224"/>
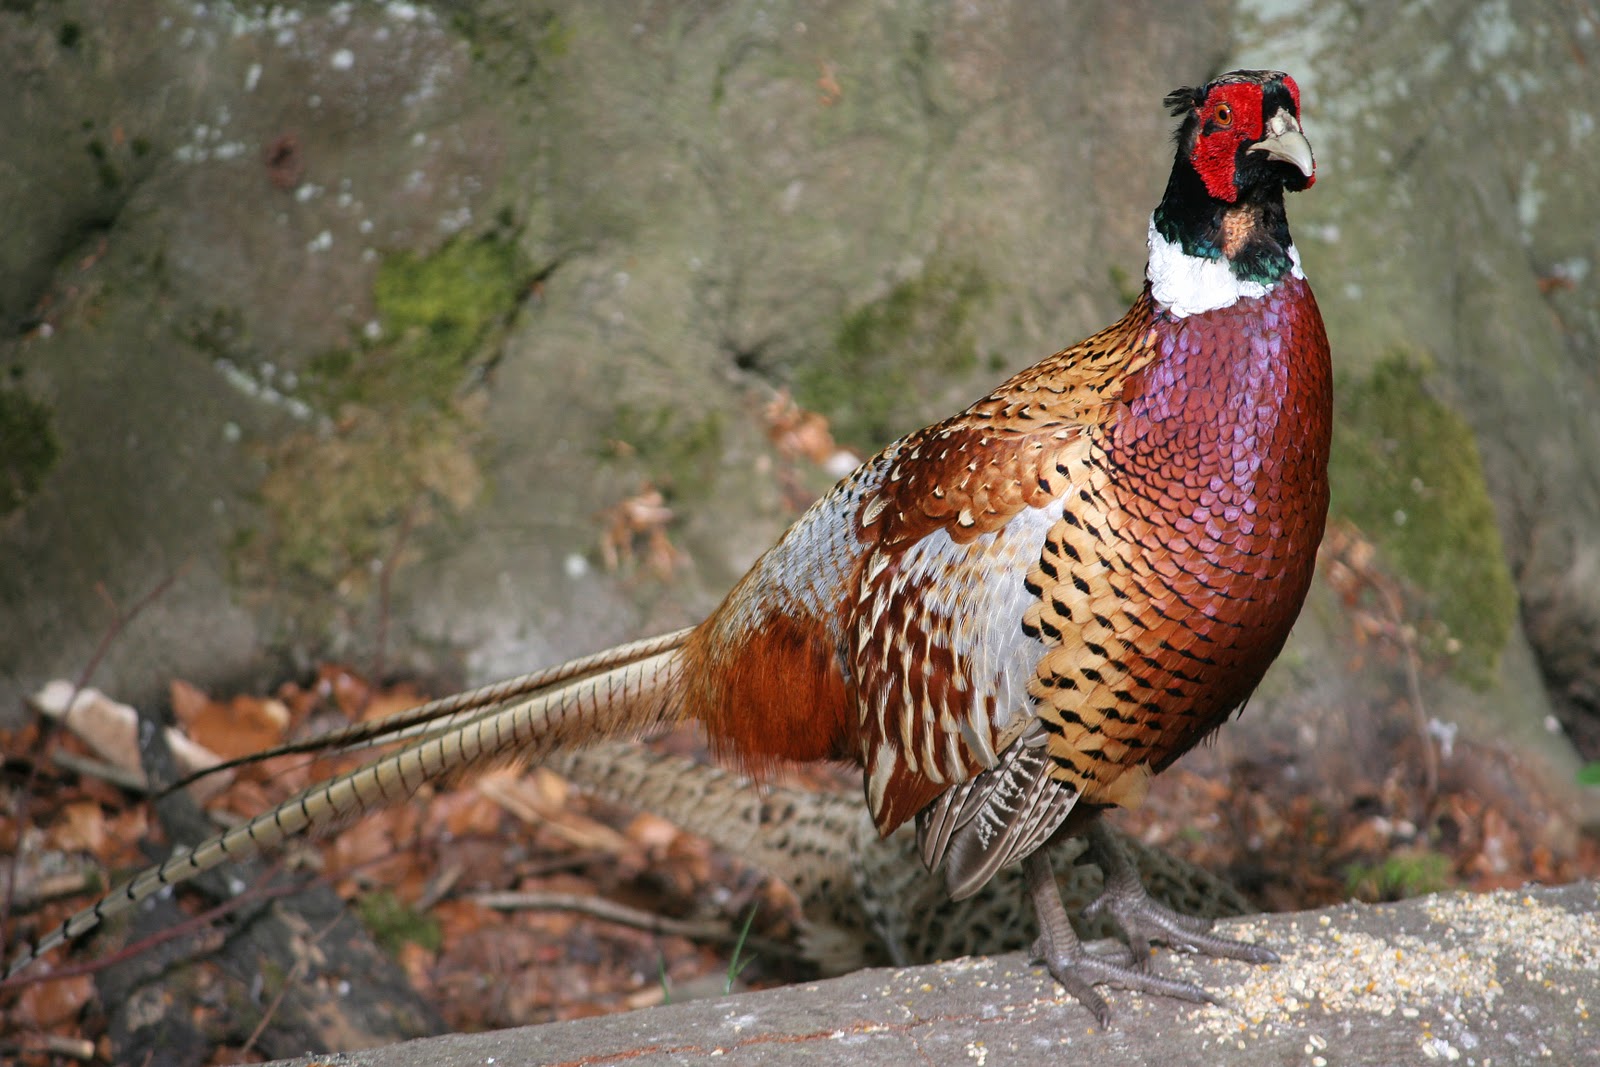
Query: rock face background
<point x="350" y="323"/>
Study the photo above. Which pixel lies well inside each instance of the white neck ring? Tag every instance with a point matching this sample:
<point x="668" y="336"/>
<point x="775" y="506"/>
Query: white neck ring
<point x="1186" y="285"/>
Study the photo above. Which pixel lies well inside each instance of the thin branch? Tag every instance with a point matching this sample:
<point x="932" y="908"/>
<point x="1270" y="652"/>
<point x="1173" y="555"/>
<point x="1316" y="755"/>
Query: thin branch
<point x="256" y="894"/>
<point x="121" y="621"/>
<point x="72" y="1048"/>
<point x="439" y="886"/>
<point x="89" y="767"/>
<point x="1407" y="639"/>
<point x="609" y="910"/>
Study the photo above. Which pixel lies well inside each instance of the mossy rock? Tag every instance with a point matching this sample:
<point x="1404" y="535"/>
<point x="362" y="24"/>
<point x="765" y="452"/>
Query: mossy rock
<point x="396" y="447"/>
<point x="1406" y="471"/>
<point x="28" y="448"/>
<point x="434" y="313"/>
<point x="920" y="330"/>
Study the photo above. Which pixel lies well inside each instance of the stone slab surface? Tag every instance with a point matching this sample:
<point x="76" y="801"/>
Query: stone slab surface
<point x="1502" y="978"/>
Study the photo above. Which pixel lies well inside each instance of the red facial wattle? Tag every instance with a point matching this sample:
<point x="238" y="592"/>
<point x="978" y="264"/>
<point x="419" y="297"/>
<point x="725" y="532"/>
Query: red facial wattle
<point x="1294" y="92"/>
<point x="1230" y="117"/>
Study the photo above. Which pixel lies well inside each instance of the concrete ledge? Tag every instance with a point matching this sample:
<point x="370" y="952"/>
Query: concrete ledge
<point x="1511" y="977"/>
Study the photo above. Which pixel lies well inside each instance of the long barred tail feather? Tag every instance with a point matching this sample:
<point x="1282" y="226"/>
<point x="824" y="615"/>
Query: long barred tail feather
<point x="633" y="696"/>
<point x="440" y="716"/>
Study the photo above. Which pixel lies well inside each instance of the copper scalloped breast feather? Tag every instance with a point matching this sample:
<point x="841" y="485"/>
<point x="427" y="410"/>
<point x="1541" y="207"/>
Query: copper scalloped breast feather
<point x="1173" y="579"/>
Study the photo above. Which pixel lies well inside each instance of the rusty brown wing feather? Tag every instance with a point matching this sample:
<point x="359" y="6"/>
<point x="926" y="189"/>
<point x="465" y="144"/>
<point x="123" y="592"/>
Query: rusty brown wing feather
<point x="883" y="627"/>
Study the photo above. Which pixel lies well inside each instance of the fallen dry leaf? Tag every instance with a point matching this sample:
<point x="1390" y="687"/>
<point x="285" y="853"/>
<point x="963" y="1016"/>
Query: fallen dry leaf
<point x="1257" y="817"/>
<point x="79" y="827"/>
<point x="524" y="800"/>
<point x="54" y="1003"/>
<point x="463" y="813"/>
<point x="643" y="515"/>
<point x="110" y="729"/>
<point x="652" y="831"/>
<point x="233" y="728"/>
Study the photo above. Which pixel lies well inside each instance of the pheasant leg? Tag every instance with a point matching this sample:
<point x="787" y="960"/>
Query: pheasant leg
<point x="1078" y="970"/>
<point x="1144" y="919"/>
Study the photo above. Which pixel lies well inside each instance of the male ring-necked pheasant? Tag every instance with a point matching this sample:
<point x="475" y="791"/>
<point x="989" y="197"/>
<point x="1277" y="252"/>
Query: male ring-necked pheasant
<point x="1010" y="619"/>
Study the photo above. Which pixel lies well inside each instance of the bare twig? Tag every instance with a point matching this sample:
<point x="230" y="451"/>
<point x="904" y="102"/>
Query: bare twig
<point x="1353" y="573"/>
<point x="1406" y="637"/>
<point x="72" y="1048"/>
<point x="439" y="886"/>
<point x="255" y="895"/>
<point x="89" y="767"/>
<point x="121" y="620"/>
<point x="711" y="930"/>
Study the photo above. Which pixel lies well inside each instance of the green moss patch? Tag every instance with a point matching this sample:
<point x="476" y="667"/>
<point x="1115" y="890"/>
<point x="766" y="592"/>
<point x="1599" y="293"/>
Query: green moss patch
<point x="1401" y="876"/>
<point x="921" y="329"/>
<point x="399" y="421"/>
<point x="435" y="312"/>
<point x="28" y="447"/>
<point x="393" y="923"/>
<point x="335" y="503"/>
<point x="1407" y="472"/>
<point x="681" y="453"/>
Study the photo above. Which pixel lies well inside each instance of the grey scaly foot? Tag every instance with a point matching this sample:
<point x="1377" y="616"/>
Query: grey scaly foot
<point x="1079" y="970"/>
<point x="1144" y="920"/>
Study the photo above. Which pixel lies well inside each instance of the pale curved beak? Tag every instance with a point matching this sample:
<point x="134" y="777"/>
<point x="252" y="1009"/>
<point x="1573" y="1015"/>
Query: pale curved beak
<point x="1285" y="141"/>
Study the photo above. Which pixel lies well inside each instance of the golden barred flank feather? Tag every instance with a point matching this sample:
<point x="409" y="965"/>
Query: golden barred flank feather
<point x="864" y="903"/>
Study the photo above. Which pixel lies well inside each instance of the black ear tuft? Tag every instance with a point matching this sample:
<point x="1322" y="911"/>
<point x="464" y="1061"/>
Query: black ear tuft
<point x="1185" y="99"/>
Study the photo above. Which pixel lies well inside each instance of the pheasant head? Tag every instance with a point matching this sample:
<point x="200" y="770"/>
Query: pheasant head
<point x="1220" y="231"/>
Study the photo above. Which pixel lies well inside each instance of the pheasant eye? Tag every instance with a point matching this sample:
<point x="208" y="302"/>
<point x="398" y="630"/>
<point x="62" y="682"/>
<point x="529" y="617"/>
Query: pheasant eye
<point x="1223" y="116"/>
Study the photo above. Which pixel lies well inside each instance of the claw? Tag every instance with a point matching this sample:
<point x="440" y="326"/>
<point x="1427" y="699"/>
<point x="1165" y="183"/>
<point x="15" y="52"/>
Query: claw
<point x="1079" y="971"/>
<point x="1078" y="968"/>
<point x="1143" y="919"/>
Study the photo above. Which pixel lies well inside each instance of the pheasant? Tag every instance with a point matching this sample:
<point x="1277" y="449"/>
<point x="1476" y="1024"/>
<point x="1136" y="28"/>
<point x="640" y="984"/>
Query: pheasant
<point x="1012" y="619"/>
<point x="864" y="903"/>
